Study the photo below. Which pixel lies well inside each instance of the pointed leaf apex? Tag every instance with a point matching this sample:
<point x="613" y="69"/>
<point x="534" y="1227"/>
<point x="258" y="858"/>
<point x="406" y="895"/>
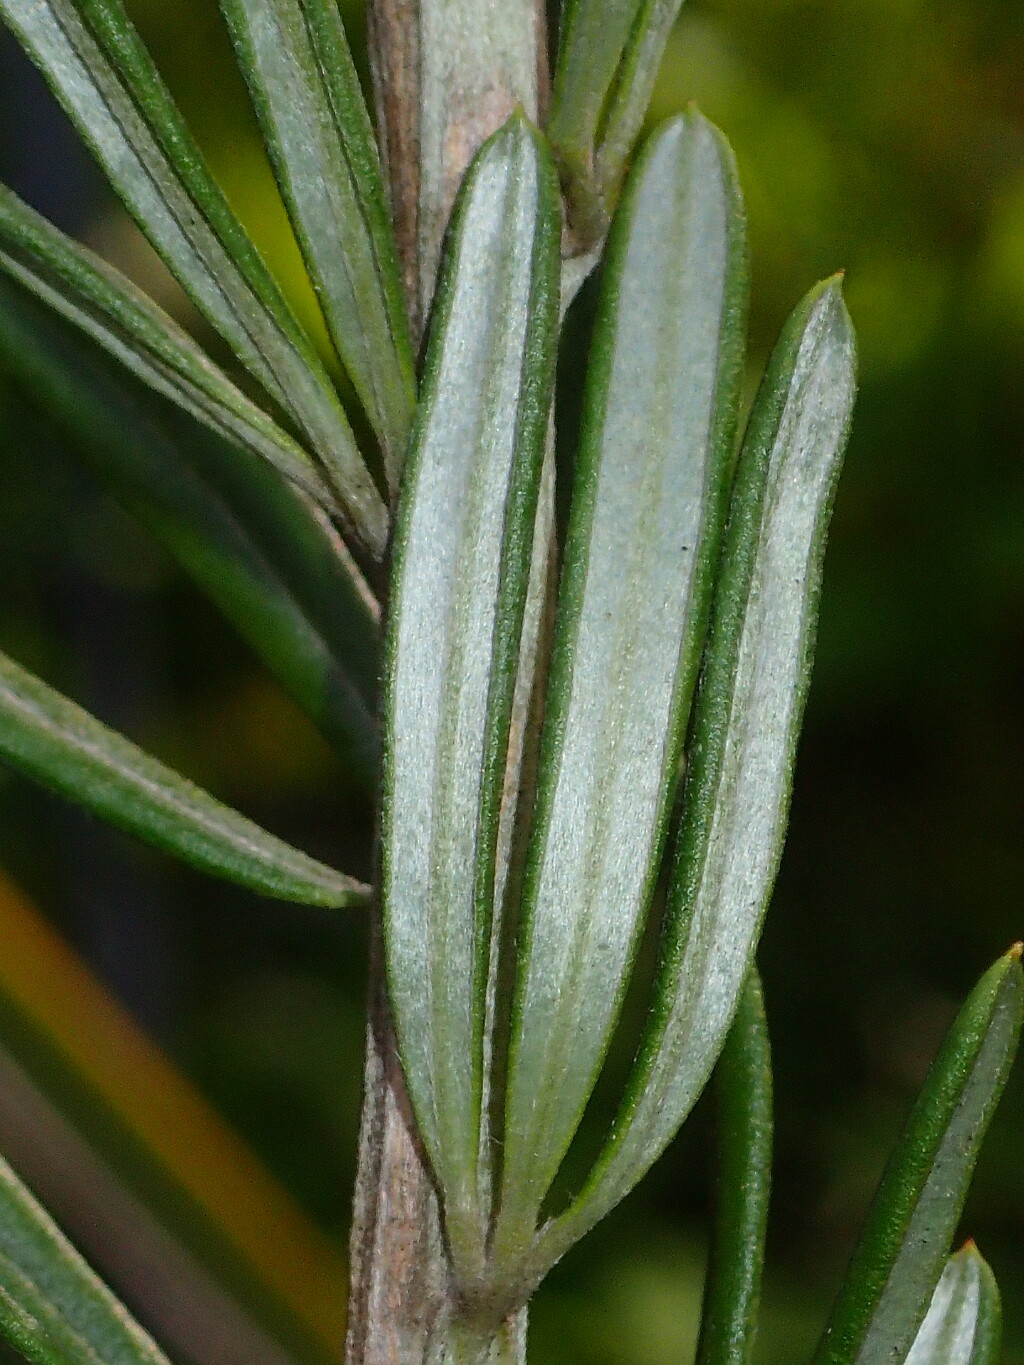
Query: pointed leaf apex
<point x="1016" y="952"/>
<point x="831" y="288"/>
<point x="517" y="128"/>
<point x="827" y="301"/>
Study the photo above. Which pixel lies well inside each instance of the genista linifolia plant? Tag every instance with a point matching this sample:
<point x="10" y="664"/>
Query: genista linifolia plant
<point x="575" y="724"/>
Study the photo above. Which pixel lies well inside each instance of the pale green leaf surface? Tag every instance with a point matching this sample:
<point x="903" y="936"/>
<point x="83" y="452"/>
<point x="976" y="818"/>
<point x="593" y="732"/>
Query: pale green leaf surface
<point x="108" y="308"/>
<point x="962" y="1325"/>
<point x="246" y="537"/>
<point x="54" y="1309"/>
<point x="51" y="739"/>
<point x="608" y="59"/>
<point x="742" y="743"/>
<point x="743" y="1145"/>
<point x="92" y="58"/>
<point x="295" y="57"/>
<point x="463" y="553"/>
<point x="649" y="498"/>
<point x="900" y="1258"/>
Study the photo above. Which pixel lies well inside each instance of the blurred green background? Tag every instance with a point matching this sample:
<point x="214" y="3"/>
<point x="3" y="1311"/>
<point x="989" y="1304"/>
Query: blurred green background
<point x="885" y="137"/>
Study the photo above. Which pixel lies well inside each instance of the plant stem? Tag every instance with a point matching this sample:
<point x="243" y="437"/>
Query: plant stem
<point x="464" y="1346"/>
<point x="447" y="74"/>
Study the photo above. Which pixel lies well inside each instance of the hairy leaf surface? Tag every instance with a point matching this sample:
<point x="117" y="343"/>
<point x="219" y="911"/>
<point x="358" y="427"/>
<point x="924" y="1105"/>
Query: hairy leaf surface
<point x="742" y="742"/>
<point x="462" y="565"/>
<point x="648" y="502"/>
<point x="963" y="1322"/>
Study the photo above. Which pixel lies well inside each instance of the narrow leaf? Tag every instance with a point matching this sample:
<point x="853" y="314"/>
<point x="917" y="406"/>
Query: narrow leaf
<point x="608" y="59"/>
<point x="53" y="740"/>
<point x="248" y="539"/>
<point x="515" y="811"/>
<point x="92" y="57"/>
<point x="53" y="1309"/>
<point x="743" y="1129"/>
<point x="742" y="742"/>
<point x="109" y="309"/>
<point x="964" y="1319"/>
<point x="649" y="498"/>
<point x="295" y="57"/>
<point x="897" y="1265"/>
<point x="462" y="564"/>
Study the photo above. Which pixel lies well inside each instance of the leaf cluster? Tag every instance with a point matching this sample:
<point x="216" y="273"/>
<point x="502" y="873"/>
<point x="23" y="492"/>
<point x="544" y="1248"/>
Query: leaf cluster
<point x="573" y="735"/>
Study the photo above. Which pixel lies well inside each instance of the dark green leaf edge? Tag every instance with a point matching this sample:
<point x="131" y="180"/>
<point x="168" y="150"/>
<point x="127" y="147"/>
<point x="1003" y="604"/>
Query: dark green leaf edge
<point x="54" y="741"/>
<point x="988" y="1329"/>
<point x="631" y="93"/>
<point x="659" y="1092"/>
<point x="89" y="53"/>
<point x="581" y="84"/>
<point x="514" y="816"/>
<point x="906" y="1239"/>
<point x="54" y="1309"/>
<point x="598" y="106"/>
<point x="457" y="1158"/>
<point x="525" y="1181"/>
<point x="109" y="309"/>
<point x="743" y="1144"/>
<point x="296" y="60"/>
<point x="278" y="574"/>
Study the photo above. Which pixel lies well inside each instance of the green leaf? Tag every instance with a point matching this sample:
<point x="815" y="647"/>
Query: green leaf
<point x="515" y="811"/>
<point x="462" y="563"/>
<point x="897" y="1265"/>
<point x="608" y="59"/>
<point x="54" y="741"/>
<point x="742" y="743"/>
<point x="649" y="498"/>
<point x="112" y="312"/>
<point x="743" y="1130"/>
<point x="251" y="542"/>
<point x="53" y="1309"/>
<point x="296" y="60"/>
<point x="963" y="1325"/>
<point x="92" y="58"/>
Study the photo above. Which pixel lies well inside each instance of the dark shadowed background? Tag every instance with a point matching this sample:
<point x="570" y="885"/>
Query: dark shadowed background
<point x="885" y="137"/>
